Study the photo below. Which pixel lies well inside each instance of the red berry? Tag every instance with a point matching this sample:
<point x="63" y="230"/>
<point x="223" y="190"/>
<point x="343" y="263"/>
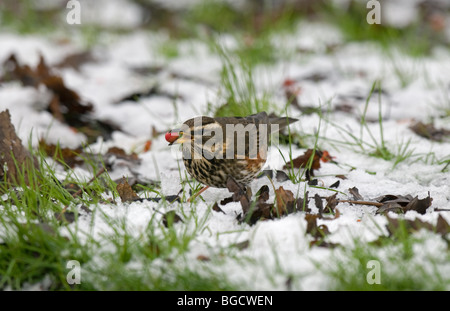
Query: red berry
<point x="171" y="136"/>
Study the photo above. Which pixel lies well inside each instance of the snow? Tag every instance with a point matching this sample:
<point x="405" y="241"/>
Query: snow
<point x="397" y="14"/>
<point x="116" y="14"/>
<point x="275" y="245"/>
<point x="29" y="121"/>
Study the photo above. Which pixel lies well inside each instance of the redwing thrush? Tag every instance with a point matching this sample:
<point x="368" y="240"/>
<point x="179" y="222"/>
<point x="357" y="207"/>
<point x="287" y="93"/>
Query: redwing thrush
<point x="215" y="149"/>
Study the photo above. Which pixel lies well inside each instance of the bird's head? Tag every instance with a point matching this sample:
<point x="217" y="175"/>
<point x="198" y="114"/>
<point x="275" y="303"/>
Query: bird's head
<point x="190" y="129"/>
<point x="176" y="136"/>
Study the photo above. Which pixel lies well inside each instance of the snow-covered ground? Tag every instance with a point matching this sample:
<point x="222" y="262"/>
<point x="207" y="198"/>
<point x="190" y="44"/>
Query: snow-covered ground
<point x="277" y="248"/>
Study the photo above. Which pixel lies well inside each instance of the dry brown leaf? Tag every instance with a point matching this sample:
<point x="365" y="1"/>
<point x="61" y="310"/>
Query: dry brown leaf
<point x="395" y="224"/>
<point x="442" y="226"/>
<point x="313" y="229"/>
<point x="355" y="193"/>
<point x="12" y="152"/>
<point x="402" y="225"/>
<point x="226" y="201"/>
<point x="65" y="104"/>
<point x="240" y="194"/>
<point x="117" y="157"/>
<point x="322" y="243"/>
<point x="311" y="224"/>
<point x="76" y="60"/>
<point x="170" y="218"/>
<point x="263" y="193"/>
<point x="126" y="193"/>
<point x="419" y="205"/>
<point x="203" y="258"/>
<point x="390" y="207"/>
<point x="303" y="203"/>
<point x="254" y="210"/>
<point x="337" y="214"/>
<point x="429" y="131"/>
<point x="403" y="203"/>
<point x="217" y="208"/>
<point x="168" y="198"/>
<point x="302" y="160"/>
<point x="319" y="203"/>
<point x="65" y="217"/>
<point x="332" y="201"/>
<point x="242" y="245"/>
<point x="68" y="156"/>
<point x="285" y="201"/>
<point x="335" y="184"/>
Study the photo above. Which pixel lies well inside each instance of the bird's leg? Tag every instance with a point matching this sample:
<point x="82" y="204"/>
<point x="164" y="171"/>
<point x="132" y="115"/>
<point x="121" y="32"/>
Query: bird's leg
<point x="197" y="194"/>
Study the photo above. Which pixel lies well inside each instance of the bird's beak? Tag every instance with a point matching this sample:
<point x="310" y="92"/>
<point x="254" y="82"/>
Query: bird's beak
<point x="175" y="136"/>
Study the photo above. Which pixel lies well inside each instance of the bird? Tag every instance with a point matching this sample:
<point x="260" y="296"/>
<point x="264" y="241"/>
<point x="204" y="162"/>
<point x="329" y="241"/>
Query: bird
<point x="216" y="149"/>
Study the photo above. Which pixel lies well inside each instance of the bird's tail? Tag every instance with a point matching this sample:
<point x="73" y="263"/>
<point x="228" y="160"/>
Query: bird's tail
<point x="282" y="122"/>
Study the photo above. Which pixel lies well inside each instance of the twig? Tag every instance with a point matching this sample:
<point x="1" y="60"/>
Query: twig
<point x="197" y="194"/>
<point x="362" y="202"/>
<point x="101" y="171"/>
